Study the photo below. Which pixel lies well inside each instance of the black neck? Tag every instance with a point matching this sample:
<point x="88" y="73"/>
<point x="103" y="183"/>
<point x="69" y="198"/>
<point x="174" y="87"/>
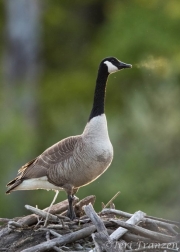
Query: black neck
<point x="99" y="94"/>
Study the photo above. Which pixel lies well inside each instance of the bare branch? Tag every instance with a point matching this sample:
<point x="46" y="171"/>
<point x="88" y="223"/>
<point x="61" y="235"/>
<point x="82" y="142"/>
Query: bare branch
<point x="56" y="209"/>
<point x="135" y="219"/>
<point x="144" y="232"/>
<point x="101" y="239"/>
<point x="147" y="219"/>
<point x="68" y="238"/>
<point x="42" y="213"/>
<point x="111" y="200"/>
<point x="62" y="231"/>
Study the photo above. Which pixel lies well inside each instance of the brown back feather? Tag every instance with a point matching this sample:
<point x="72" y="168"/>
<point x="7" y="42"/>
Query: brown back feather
<point x="39" y="166"/>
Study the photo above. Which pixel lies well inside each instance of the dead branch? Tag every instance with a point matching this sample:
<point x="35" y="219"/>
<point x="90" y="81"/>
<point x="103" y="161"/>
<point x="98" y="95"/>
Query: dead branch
<point x="42" y="213"/>
<point x="111" y="200"/>
<point x="56" y="209"/>
<point x="101" y="239"/>
<point x="79" y="206"/>
<point x="144" y="232"/>
<point x="29" y="234"/>
<point x="134" y="220"/>
<point x="69" y="238"/>
<point x="147" y="219"/>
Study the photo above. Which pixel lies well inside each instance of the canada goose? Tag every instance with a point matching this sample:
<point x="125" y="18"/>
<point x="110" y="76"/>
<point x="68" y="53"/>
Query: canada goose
<point x="77" y="160"/>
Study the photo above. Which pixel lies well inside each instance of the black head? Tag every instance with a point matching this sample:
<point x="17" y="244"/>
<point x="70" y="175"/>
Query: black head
<point x="114" y="65"/>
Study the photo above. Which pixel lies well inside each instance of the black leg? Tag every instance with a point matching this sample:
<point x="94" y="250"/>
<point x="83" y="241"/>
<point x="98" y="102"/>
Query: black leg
<point x="70" y="213"/>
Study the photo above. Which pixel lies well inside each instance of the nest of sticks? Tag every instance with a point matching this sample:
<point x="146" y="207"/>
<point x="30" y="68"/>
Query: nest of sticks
<point x="110" y="230"/>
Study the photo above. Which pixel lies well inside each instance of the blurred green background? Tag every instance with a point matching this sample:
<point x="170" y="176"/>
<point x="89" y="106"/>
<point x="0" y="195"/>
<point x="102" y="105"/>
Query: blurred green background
<point x="50" y="52"/>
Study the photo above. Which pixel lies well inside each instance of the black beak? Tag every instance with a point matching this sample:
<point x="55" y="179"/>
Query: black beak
<point x="124" y="65"/>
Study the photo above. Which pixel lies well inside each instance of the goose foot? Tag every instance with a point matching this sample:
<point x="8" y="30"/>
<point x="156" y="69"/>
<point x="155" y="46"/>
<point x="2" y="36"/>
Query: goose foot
<point x="70" y="213"/>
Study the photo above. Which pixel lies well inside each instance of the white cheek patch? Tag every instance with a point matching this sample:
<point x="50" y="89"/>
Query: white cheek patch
<point x="111" y="68"/>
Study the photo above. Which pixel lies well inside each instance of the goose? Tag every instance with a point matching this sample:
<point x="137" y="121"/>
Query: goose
<point x="76" y="160"/>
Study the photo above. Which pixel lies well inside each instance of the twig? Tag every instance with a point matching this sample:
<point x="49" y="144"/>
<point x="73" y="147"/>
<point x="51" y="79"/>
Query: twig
<point x="56" y="226"/>
<point x="48" y="235"/>
<point x="112" y="205"/>
<point x="175" y="223"/>
<point x="56" y="209"/>
<point x="135" y="219"/>
<point x="101" y="239"/>
<point x="40" y="220"/>
<point x="61" y="206"/>
<point x="58" y="249"/>
<point x="4" y="232"/>
<point x="48" y="231"/>
<point x="97" y="245"/>
<point x="96" y="220"/>
<point x="116" y="212"/>
<point x="144" y="232"/>
<point x="146" y="218"/>
<point x="102" y="205"/>
<point x="49" y="208"/>
<point x="79" y="206"/>
<point x="4" y="220"/>
<point x="13" y="225"/>
<point x="55" y="233"/>
<point x="111" y="200"/>
<point x="68" y="238"/>
<point x="129" y="237"/>
<point x="48" y="239"/>
<point x="100" y="228"/>
<point x="42" y="213"/>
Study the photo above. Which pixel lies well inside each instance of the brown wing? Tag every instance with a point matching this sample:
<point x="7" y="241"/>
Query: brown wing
<point x="51" y="156"/>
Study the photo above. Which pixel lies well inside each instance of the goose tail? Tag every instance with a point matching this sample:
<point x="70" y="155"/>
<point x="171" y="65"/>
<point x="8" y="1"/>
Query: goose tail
<point x="18" y="180"/>
<point x="13" y="184"/>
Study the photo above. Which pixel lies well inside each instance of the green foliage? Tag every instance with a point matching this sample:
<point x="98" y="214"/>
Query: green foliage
<point x="142" y="104"/>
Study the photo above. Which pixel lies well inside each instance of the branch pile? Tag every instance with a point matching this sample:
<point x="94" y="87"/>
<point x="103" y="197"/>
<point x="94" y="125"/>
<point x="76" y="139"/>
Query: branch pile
<point x="111" y="230"/>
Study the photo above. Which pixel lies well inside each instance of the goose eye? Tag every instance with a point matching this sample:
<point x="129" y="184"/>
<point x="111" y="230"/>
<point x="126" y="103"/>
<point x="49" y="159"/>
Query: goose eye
<point x="113" y="61"/>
